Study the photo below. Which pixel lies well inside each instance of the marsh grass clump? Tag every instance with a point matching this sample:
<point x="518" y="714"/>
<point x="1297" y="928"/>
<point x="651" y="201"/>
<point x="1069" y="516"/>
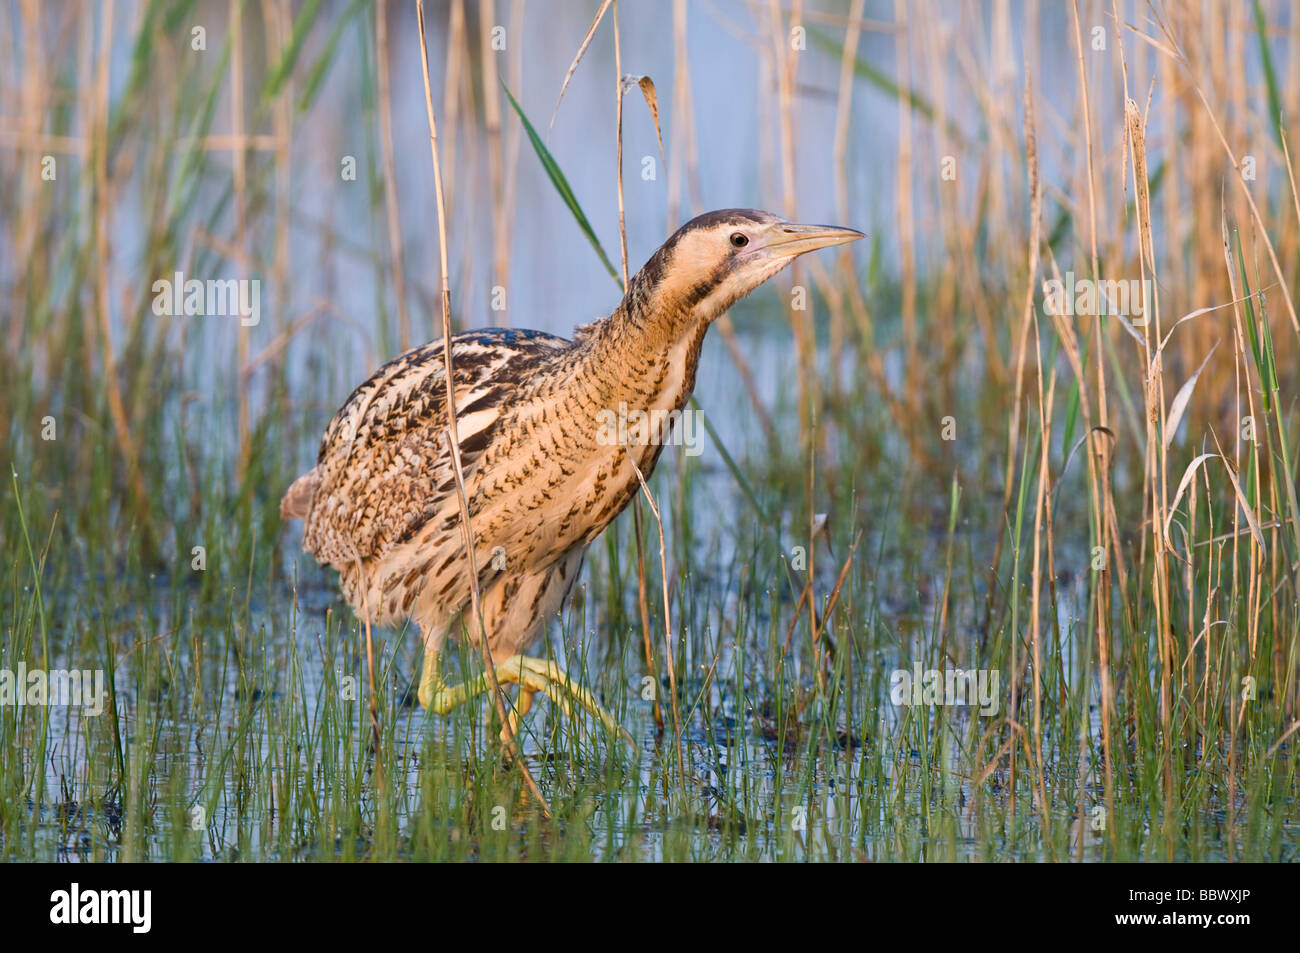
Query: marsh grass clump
<point x="910" y="463"/>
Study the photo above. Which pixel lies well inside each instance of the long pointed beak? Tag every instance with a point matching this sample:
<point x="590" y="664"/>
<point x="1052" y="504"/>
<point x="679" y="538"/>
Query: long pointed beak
<point x="789" y="239"/>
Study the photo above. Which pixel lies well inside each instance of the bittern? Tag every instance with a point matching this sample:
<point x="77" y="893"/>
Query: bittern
<point x="541" y="481"/>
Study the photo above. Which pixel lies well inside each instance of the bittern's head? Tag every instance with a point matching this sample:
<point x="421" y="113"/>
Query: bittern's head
<point x="714" y="260"/>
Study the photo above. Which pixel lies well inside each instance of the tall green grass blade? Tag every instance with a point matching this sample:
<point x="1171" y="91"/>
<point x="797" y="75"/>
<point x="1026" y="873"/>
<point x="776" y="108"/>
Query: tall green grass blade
<point x="1262" y="365"/>
<point x="562" y="185"/>
<point x="1270" y="74"/>
<point x="327" y="58"/>
<point x="302" y="24"/>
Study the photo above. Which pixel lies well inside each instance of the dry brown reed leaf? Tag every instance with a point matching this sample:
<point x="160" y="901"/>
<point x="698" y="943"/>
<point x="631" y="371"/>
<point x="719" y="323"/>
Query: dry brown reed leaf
<point x="647" y="87"/>
<point x="1255" y="529"/>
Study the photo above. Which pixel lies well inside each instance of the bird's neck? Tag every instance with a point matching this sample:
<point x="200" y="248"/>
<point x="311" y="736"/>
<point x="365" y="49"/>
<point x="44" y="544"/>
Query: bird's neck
<point x="646" y="353"/>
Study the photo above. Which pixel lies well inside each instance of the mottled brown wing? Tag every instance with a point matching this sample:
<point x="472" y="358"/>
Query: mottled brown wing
<point x="384" y="468"/>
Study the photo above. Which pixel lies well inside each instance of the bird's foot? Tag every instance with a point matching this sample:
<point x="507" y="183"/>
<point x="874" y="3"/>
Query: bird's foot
<point x="532" y="675"/>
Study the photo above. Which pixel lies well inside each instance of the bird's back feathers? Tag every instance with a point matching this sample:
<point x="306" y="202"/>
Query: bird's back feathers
<point x="384" y="467"/>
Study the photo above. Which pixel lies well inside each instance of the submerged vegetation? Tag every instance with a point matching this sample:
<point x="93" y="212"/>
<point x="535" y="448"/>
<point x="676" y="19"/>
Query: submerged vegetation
<point x="916" y="459"/>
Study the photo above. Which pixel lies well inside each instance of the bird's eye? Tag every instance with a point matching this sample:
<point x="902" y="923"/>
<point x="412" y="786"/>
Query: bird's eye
<point x="739" y="240"/>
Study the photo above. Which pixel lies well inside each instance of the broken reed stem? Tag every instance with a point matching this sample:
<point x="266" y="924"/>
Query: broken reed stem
<point x="453" y="441"/>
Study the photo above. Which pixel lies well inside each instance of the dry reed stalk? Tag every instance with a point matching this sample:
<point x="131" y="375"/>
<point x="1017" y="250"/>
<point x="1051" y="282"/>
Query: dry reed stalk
<point x="959" y="286"/>
<point x="90" y="110"/>
<point x="684" y="130"/>
<point x="1001" y="71"/>
<point x="239" y="165"/>
<point x="839" y="168"/>
<point x="467" y="109"/>
<point x="1175" y="50"/>
<point x="1028" y="319"/>
<point x="904" y="212"/>
<point x="1138" y="430"/>
<point x="1087" y="140"/>
<point x="514" y="134"/>
<point x="618" y="148"/>
<point x="1013" y="429"/>
<point x="29" y="89"/>
<point x="103" y="202"/>
<point x="454" y="74"/>
<point x="642" y="600"/>
<point x="1102" y="509"/>
<point x="814" y="628"/>
<point x="392" y="211"/>
<point x="683" y="122"/>
<point x="1156" y="459"/>
<point x="31" y="107"/>
<point x="277" y="17"/>
<point x="668" y="628"/>
<point x="1042" y="521"/>
<point x="1044" y="471"/>
<point x="643" y="607"/>
<point x="496" y="173"/>
<point x="801" y="327"/>
<point x="453" y="441"/>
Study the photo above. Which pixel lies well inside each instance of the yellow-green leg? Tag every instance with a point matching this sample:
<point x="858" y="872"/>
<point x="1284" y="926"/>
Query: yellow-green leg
<point x="532" y="675"/>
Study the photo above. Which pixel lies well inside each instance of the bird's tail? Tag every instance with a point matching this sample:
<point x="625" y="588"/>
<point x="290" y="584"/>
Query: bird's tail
<point x="297" y="501"/>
